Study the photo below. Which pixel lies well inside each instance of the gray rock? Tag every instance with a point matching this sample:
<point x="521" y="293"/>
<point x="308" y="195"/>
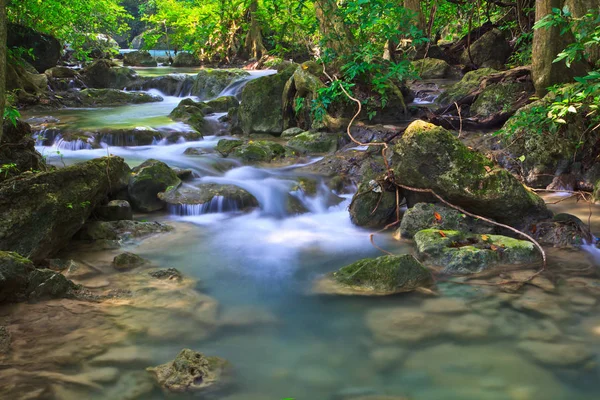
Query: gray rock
<point x="115" y="210"/>
<point x="126" y="261"/>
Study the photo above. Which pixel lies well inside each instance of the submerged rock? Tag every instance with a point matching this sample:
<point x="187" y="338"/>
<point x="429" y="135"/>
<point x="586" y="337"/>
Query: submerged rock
<point x="191" y="371"/>
<point x="139" y="59"/>
<point x="404" y="325"/>
<point x="147" y="180"/>
<point x="40" y="213"/>
<point x="119" y="230"/>
<point x="461" y="253"/>
<point x="428" y="156"/>
<point x="557" y="354"/>
<point x="115" y="97"/>
<point x="377" y="277"/>
<point x="427" y="215"/>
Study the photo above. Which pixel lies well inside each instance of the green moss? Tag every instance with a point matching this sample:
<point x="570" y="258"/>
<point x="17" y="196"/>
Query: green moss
<point x="467" y="84"/>
<point x="115" y="97"/>
<point x="386" y="273"/>
<point x="432" y="68"/>
<point x="223" y="103"/>
<point x="499" y="97"/>
<point x="210" y="82"/>
<point x="314" y="142"/>
<point x="226" y="146"/>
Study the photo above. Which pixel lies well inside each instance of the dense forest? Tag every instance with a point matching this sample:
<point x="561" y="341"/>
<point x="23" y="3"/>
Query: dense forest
<point x="295" y="199"/>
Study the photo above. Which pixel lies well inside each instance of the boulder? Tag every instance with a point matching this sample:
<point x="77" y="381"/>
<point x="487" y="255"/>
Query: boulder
<point x="226" y="146"/>
<point x="40" y="213"/>
<point x="104" y="74"/>
<point x="373" y="205"/>
<point x="147" y="180"/>
<point x="314" y="142"/>
<point x="223" y="104"/>
<point x="45" y="49"/>
<point x="467" y="84"/>
<point x="126" y="261"/>
<point x="210" y="82"/>
<point x="30" y="85"/>
<point x="565" y="355"/>
<point x="45" y="283"/>
<point x="461" y="253"/>
<point x="61" y="72"/>
<point x="192" y="372"/>
<point x="190" y="112"/>
<point x="433" y="68"/>
<point x="115" y="210"/>
<point x="563" y="230"/>
<point x="505" y="97"/>
<point x="120" y="230"/>
<point x="114" y="97"/>
<point x="14" y="276"/>
<point x="261" y="109"/>
<point x="17" y="150"/>
<point x="208" y="198"/>
<point x="139" y="59"/>
<point x="427" y="215"/>
<point x="258" y="151"/>
<point x="430" y="157"/>
<point x="380" y="276"/>
<point x="491" y="50"/>
<point x="186" y="60"/>
<point x="292" y="132"/>
<point x="178" y="85"/>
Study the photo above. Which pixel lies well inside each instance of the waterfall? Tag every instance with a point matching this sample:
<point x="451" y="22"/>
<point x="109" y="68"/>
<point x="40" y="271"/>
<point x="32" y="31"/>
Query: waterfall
<point x="217" y="204"/>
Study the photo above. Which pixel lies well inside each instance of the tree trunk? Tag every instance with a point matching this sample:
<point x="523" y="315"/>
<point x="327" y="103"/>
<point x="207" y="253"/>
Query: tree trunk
<point x="547" y="43"/>
<point x="336" y="36"/>
<point x="253" y="45"/>
<point x="415" y="7"/>
<point x="579" y="8"/>
<point x="2" y="62"/>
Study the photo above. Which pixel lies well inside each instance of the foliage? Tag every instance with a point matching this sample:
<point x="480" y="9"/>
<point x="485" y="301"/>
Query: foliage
<point x="522" y="50"/>
<point x="10" y="110"/>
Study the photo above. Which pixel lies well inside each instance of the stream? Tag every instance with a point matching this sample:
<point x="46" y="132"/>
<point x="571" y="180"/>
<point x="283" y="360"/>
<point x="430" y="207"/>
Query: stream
<point x="285" y="342"/>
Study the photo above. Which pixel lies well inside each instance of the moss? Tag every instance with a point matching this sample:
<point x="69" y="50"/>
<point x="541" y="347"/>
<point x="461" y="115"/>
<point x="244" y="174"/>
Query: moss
<point x="223" y="103"/>
<point x="226" y="146"/>
<point x="114" y="97"/>
<point x="432" y="68"/>
<point x="372" y="206"/>
<point x="147" y="180"/>
<point x="423" y="216"/>
<point x="461" y="253"/>
<point x="210" y="82"/>
<point x="386" y="273"/>
<point x="260" y="151"/>
<point x="191" y="113"/>
<point x="314" y="142"/>
<point x="500" y="97"/>
<point x="467" y="84"/>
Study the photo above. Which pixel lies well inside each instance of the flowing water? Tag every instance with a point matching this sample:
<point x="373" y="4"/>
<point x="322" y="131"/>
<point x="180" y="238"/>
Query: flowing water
<point x="285" y="342"/>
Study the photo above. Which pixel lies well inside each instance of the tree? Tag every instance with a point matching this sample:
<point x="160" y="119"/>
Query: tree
<point x="336" y="35"/>
<point x="547" y="43"/>
<point x="253" y="45"/>
<point x="2" y="62"/>
<point x="415" y="7"/>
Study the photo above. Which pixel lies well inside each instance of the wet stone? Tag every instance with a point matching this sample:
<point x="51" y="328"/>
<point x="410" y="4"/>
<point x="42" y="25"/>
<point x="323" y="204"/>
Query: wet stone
<point x="126" y="261"/>
<point x="557" y="354"/>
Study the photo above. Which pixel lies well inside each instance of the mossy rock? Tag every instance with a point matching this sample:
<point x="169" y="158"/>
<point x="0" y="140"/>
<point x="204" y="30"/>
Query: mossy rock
<point x="430" y="157"/>
<point x="114" y="97"/>
<point x="258" y="151"/>
<point x="292" y="132"/>
<point x="209" y="198"/>
<point x="14" y="276"/>
<point x="126" y="261"/>
<point x="373" y="206"/>
<point x="223" y="103"/>
<point x="378" y="277"/>
<point x="191" y="371"/>
<point x="120" y="230"/>
<point x="427" y="215"/>
<point x="190" y="112"/>
<point x="462" y="253"/>
<point x="40" y="213"/>
<point x="183" y="59"/>
<point x="467" y="84"/>
<point x="261" y="108"/>
<point x="500" y="98"/>
<point x="432" y="68"/>
<point x="139" y="59"/>
<point x="226" y="146"/>
<point x="104" y="74"/>
<point x="210" y="82"/>
<point x="147" y="180"/>
<point x="45" y="283"/>
<point x="314" y="142"/>
<point x="491" y="50"/>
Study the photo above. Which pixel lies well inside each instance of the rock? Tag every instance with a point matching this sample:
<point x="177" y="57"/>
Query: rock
<point x="186" y="60"/>
<point x="45" y="49"/>
<point x="178" y="85"/>
<point x="373" y="206"/>
<point x="223" y="104"/>
<point x="377" y="277"/>
<point x="491" y="50"/>
<point x="189" y="112"/>
<point x="114" y="97"/>
<point x="226" y="146"/>
<point x="469" y="327"/>
<point x="61" y="72"/>
<point x="183" y="174"/>
<point x="557" y="354"/>
<point x="168" y="274"/>
<point x="30" y="86"/>
<point x="99" y="45"/>
<point x="538" y="302"/>
<point x="209" y="198"/>
<point x="433" y="68"/>
<point x="119" y="230"/>
<point x="147" y="180"/>
<point x="387" y="358"/>
<point x="444" y="305"/>
<point x="139" y="59"/>
<point x="544" y="330"/>
<point x="126" y="261"/>
<point x="563" y="230"/>
<point x="45" y="283"/>
<point x="258" y="151"/>
<point x="5" y="339"/>
<point x="292" y="132"/>
<point x="14" y="276"/>
<point x="115" y="210"/>
<point x="192" y="372"/>
<point x="467" y="84"/>
<point x="17" y="148"/>
<point x="428" y="156"/>
<point x="302" y="88"/>
<point x="501" y="97"/>
<point x="103" y="74"/>
<point x="40" y="213"/>
<point x="261" y="108"/>
<point x="210" y="82"/>
<point x="423" y="216"/>
<point x="461" y="253"/>
<point x="404" y="325"/>
<point x="314" y="142"/>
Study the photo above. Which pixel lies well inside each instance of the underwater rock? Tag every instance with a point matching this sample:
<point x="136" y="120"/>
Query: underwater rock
<point x="120" y="230"/>
<point x="557" y="354"/>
